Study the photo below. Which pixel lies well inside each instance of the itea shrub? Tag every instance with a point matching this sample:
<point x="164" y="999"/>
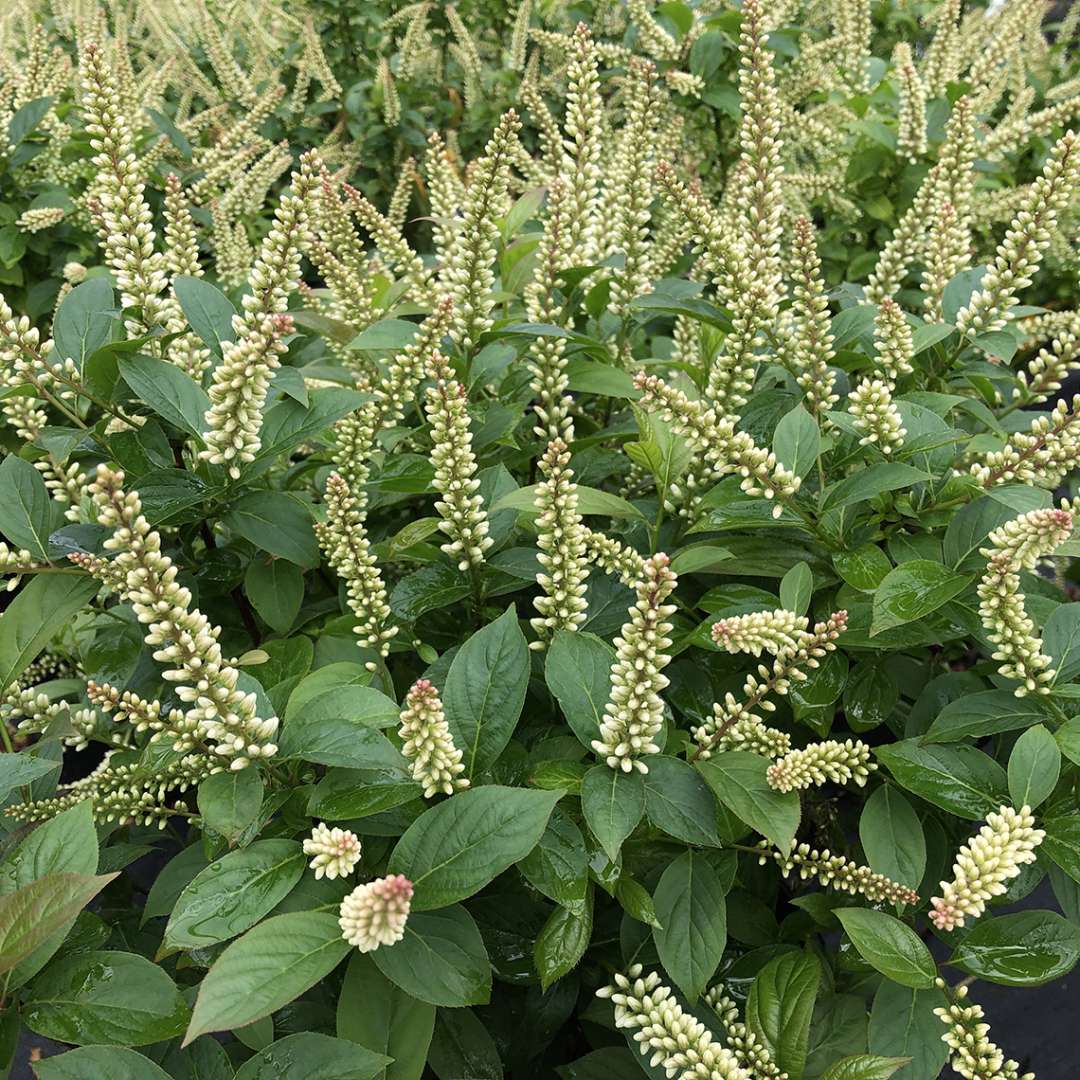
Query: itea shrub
<point x="596" y="605"/>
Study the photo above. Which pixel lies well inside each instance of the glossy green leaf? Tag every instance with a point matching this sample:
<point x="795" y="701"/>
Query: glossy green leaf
<point x="680" y="802"/>
<point x="562" y="941"/>
<point x="309" y="1054"/>
<point x="229" y="801"/>
<point x="960" y="779"/>
<point x="375" y="1013"/>
<point x="691" y="907"/>
<point x="1025" y="948"/>
<point x="889" y="946"/>
<point x="892" y="837"/>
<point x="117" y="998"/>
<point x="912" y="591"/>
<point x="485" y="691"/>
<point x="270" y="965"/>
<point x="613" y="803"/>
<point x="903" y="1024"/>
<point x="115" y="1062"/>
<point x="739" y="782"/>
<point x="170" y="392"/>
<point x="456" y="847"/>
<point x="1034" y="767"/>
<point x="780" y="1006"/>
<point x="233" y="893"/>
<point x="578" y="672"/>
<point x="26" y="510"/>
<point x="978" y="715"/>
<point x="277" y="523"/>
<point x="441" y="959"/>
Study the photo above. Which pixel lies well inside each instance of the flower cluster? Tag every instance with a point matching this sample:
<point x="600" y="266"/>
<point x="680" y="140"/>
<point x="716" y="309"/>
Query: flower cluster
<point x="634" y="712"/>
<point x="777" y="632"/>
<point x="375" y="914"/>
<point x="739" y="716"/>
<point x="466" y="273"/>
<point x="871" y="402"/>
<point x="678" y="1042"/>
<point x="461" y="507"/>
<point x="984" y="864"/>
<point x="428" y="744"/>
<point x="1019" y="254"/>
<point x="561" y="540"/>
<point x="1016" y="546"/>
<point x="1043" y="455"/>
<point x="336" y="851"/>
<point x="974" y="1056"/>
<point x="725" y="449"/>
<point x="241" y="381"/>
<point x="182" y="637"/>
<point x="821" y="762"/>
<point x="809" y="348"/>
<point x="839" y="872"/>
<point x="344" y="538"/>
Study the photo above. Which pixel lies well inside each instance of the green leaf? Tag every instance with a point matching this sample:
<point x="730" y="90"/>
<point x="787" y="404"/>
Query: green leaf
<point x="84" y="321"/>
<point x="871" y="481"/>
<point x="889" y="946"/>
<point x="485" y="690"/>
<point x="208" y="310"/>
<point x="170" y="392"/>
<point x="441" y="959"/>
<point x="864" y="568"/>
<point x="171" y="881"/>
<point x="31" y="914"/>
<point x="26" y="119"/>
<point x="978" y="715"/>
<point x="229" y="801"/>
<point x="288" y="423"/>
<point x="903" y="1024"/>
<point x="275" y="588"/>
<point x="1034" y="767"/>
<point x="32" y="619"/>
<point x="18" y="770"/>
<point x="562" y="941"/>
<point x="738" y="780"/>
<point x="797" y="441"/>
<point x="341" y="727"/>
<point x="309" y="1054"/>
<point x="270" y="965"/>
<point x="691" y="907"/>
<point x="173" y="133"/>
<point x="796" y="588"/>
<point x="115" y="1062"/>
<point x="912" y="591"/>
<point x="456" y="847"/>
<point x="960" y="779"/>
<point x="234" y="893"/>
<point x="870" y="696"/>
<point x="1062" y="842"/>
<point x="892" y="837"/>
<point x="959" y="290"/>
<point x="590" y="501"/>
<point x="612" y="802"/>
<point x="558" y="866"/>
<point x="680" y="802"/>
<point x="118" y="998"/>
<point x="780" y="1006"/>
<point x="578" y="672"/>
<point x="275" y="522"/>
<point x="864" y="1067"/>
<point x="461" y="1046"/>
<point x="702" y="558"/>
<point x="375" y="1013"/>
<point x="1061" y="642"/>
<point x="390" y="335"/>
<point x="429" y="588"/>
<point x="343" y="794"/>
<point x="1026" y="948"/>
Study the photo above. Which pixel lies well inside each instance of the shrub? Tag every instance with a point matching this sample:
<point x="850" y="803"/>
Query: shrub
<point x="553" y="620"/>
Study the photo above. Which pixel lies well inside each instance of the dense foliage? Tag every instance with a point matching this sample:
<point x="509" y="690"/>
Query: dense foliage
<point x="539" y="541"/>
